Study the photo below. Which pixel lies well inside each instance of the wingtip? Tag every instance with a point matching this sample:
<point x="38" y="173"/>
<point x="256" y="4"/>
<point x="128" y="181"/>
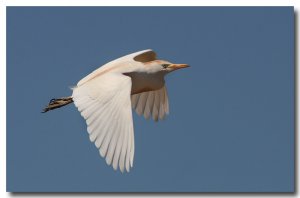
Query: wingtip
<point x="108" y="161"/>
<point x="73" y="87"/>
<point x="131" y="164"/>
<point x="115" y="168"/>
<point x="102" y="154"/>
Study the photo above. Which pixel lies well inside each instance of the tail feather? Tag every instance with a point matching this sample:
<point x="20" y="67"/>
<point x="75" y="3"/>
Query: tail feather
<point x="57" y="103"/>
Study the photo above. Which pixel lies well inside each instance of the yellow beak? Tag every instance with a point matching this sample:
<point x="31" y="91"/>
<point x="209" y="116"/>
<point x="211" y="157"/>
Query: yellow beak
<point x="178" y="66"/>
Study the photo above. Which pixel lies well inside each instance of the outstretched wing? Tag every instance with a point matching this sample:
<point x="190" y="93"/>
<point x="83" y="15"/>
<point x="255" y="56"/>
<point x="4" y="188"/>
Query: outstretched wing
<point x="153" y="103"/>
<point x="104" y="102"/>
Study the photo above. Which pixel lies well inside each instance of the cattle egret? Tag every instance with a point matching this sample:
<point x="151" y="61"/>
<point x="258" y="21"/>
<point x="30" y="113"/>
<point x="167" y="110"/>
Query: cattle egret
<point x="105" y="98"/>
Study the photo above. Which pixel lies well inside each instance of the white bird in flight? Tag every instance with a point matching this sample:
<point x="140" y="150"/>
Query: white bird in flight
<point x="106" y="96"/>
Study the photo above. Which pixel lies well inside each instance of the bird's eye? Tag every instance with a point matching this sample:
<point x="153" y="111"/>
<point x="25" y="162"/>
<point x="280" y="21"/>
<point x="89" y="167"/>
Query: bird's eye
<point x="165" y="65"/>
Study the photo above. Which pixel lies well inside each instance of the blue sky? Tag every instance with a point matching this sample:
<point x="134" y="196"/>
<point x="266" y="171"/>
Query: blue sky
<point x="231" y="122"/>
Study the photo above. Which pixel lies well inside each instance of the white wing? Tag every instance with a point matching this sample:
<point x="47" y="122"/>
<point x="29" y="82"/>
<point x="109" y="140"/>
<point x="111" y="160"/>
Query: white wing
<point x="105" y="104"/>
<point x="153" y="103"/>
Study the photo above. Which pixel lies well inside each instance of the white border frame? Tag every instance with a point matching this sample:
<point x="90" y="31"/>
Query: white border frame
<point x="5" y="3"/>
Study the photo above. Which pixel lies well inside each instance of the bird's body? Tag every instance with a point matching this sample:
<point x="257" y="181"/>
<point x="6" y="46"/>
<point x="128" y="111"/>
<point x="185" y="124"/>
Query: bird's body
<point x="106" y="96"/>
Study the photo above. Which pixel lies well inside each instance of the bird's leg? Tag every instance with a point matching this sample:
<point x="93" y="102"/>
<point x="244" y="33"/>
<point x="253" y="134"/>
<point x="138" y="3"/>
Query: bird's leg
<point x="57" y="103"/>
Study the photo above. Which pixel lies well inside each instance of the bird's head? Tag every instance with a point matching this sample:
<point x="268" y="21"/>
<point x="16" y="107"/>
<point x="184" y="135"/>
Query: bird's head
<point x="164" y="66"/>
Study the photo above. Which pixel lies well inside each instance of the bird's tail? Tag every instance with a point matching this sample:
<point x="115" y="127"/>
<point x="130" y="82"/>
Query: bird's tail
<point x="57" y="103"/>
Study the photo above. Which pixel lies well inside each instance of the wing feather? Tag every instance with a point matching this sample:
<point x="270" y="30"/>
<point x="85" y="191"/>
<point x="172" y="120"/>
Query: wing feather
<point x="134" y="99"/>
<point x="105" y="104"/>
<point x="118" y="149"/>
<point x="113" y="143"/>
<point x="110" y="131"/>
<point x="166" y="104"/>
<point x="161" y="105"/>
<point x="155" y="110"/>
<point x="85" y="105"/>
<point x="123" y="152"/>
<point x="127" y="162"/>
<point x="148" y="105"/>
<point x="100" y="123"/>
<point x="89" y="110"/>
<point x="141" y="103"/>
<point x="99" y="118"/>
<point x="132" y="146"/>
<point x="153" y="103"/>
